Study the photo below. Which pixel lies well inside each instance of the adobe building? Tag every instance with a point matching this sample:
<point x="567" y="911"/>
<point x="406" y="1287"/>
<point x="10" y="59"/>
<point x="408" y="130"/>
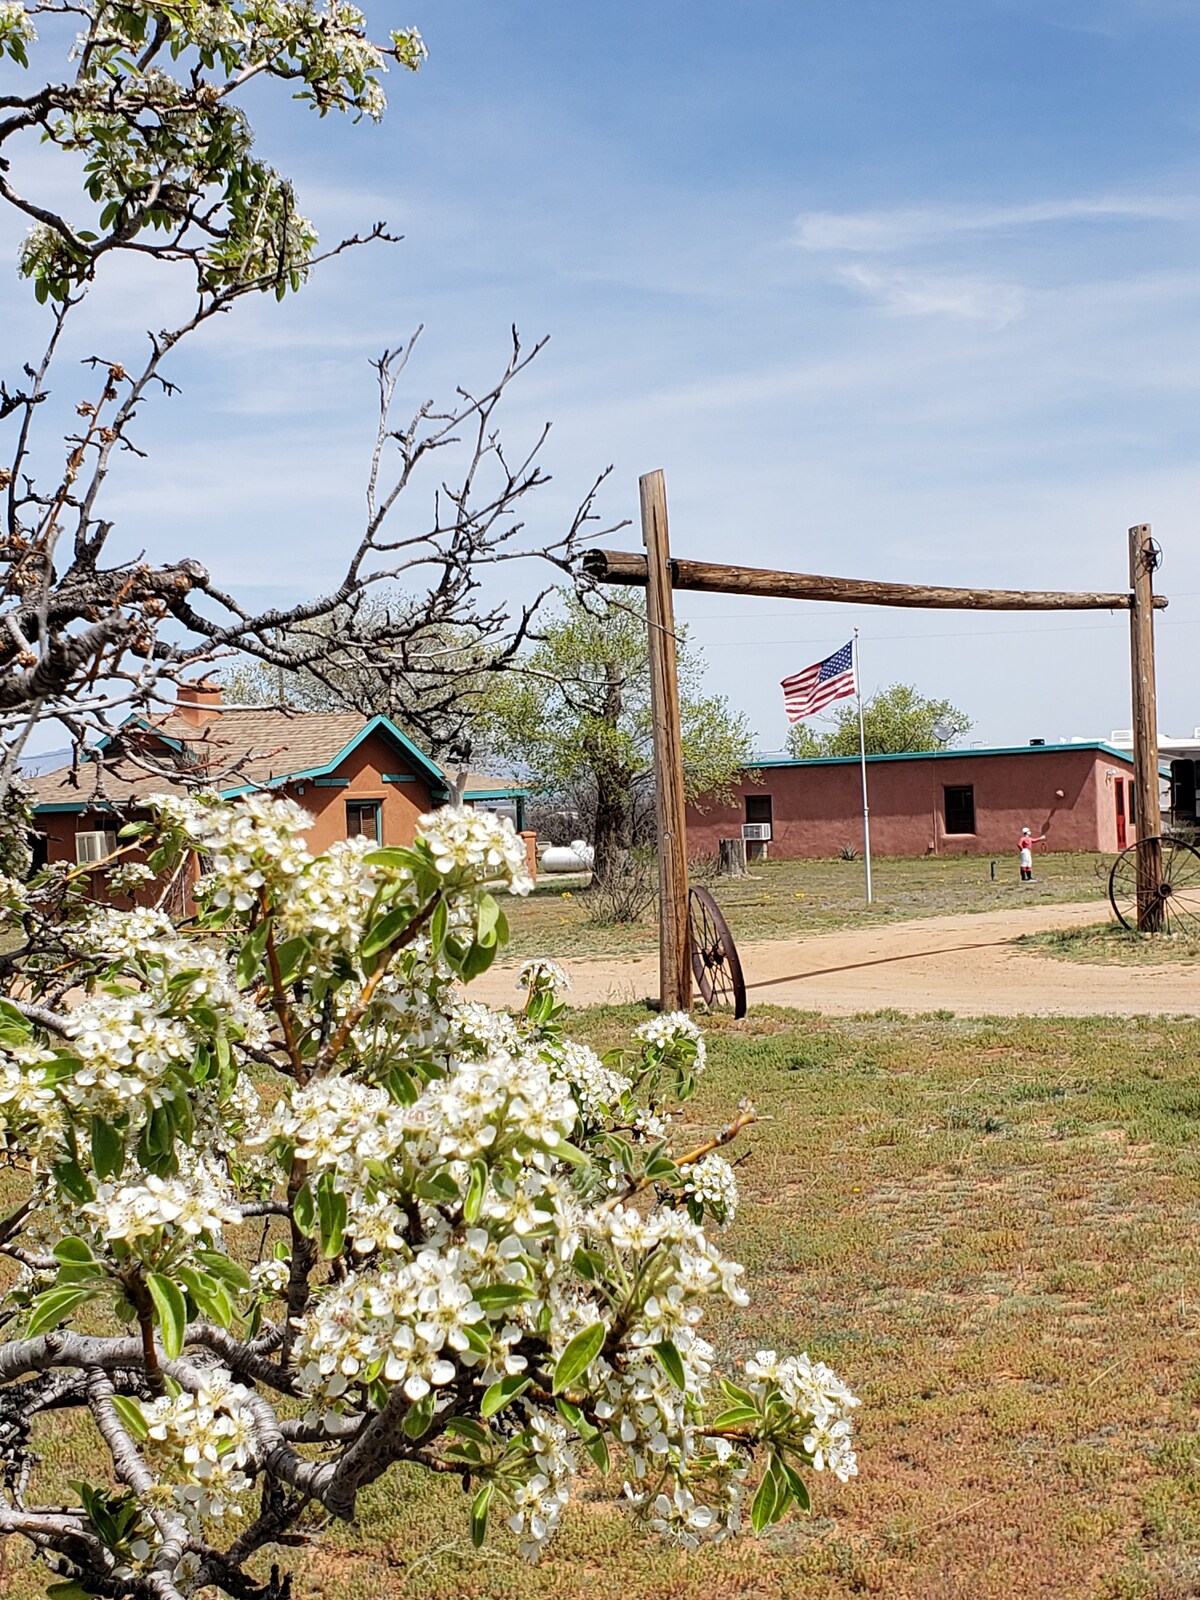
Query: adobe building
<point x="357" y="776"/>
<point x="948" y="802"/>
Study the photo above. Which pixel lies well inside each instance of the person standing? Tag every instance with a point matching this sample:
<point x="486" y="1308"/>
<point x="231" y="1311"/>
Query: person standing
<point x="1025" y="845"/>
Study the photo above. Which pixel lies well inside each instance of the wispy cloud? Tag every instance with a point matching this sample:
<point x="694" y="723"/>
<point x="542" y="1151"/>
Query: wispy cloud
<point x="964" y="298"/>
<point x="886" y="230"/>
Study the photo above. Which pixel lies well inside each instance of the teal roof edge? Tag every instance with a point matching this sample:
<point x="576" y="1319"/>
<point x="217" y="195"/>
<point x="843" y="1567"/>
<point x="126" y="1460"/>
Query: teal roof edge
<point x="943" y="755"/>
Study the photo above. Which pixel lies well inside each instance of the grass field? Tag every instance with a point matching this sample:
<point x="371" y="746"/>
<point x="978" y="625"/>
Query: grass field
<point x="990" y="1229"/>
<point x="784" y="898"/>
<point x="1106" y="942"/>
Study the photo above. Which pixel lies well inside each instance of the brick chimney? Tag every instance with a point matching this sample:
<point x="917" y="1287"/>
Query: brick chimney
<point x="198" y="703"/>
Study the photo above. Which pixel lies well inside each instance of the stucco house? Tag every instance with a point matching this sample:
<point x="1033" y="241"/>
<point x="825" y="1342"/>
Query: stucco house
<point x="356" y="775"/>
<point x="948" y="802"/>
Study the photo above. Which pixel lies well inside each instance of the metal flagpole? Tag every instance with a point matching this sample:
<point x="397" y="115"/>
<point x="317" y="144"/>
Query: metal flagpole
<point x="862" y="752"/>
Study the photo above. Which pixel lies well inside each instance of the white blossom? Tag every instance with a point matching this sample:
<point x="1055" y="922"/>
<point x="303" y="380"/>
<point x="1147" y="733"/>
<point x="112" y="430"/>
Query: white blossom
<point x="485" y="847"/>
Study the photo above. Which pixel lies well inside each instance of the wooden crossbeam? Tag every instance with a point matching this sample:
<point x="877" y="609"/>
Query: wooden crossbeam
<point x="710" y="577"/>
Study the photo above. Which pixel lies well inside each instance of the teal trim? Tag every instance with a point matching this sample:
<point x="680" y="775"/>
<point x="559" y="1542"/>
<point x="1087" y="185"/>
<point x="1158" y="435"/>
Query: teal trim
<point x="942" y="755"/>
<point x="425" y="768"/>
<point x="65" y="805"/>
<point x="332" y="783"/>
<point x="398" y="777"/>
<point x="496" y="794"/>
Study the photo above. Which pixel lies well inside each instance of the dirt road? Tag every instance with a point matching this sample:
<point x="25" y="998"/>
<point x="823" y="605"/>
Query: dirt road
<point x="965" y="964"/>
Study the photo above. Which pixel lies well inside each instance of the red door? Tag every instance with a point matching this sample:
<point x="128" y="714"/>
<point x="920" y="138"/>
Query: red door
<point x="1119" y="786"/>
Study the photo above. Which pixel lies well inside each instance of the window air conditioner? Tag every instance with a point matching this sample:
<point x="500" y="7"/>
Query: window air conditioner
<point x="756" y="832"/>
<point x="93" y="847"/>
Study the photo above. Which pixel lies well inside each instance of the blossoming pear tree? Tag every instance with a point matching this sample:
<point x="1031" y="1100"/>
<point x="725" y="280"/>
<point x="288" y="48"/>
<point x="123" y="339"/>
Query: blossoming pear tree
<point x="287" y="1208"/>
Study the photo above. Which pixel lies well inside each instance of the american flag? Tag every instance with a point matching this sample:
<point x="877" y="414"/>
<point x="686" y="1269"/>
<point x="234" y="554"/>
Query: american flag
<point x="811" y="690"/>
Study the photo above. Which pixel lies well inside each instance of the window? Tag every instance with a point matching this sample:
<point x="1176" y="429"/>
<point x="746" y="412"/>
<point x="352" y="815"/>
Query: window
<point x="1131" y="803"/>
<point x="758" y="808"/>
<point x="960" y="807"/>
<point x="94" y="845"/>
<point x="362" y="820"/>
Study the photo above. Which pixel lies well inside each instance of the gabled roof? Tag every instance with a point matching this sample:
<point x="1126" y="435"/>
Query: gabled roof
<point x="237" y="750"/>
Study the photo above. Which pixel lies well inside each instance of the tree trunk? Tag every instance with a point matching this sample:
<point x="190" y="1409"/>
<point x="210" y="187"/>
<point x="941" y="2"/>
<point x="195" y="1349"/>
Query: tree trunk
<point x="612" y="825"/>
<point x="732" y="862"/>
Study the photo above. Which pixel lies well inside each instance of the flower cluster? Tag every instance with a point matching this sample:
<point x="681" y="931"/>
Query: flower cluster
<point x="812" y="1390"/>
<point x="673" y="1031"/>
<point x="711" y="1185"/>
<point x="477" y="843"/>
<point x="197" y="1206"/>
<point x="204" y="1441"/>
<point x="543" y="973"/>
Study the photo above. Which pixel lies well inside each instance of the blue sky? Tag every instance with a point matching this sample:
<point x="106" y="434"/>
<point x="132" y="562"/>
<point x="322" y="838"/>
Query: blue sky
<point x="889" y="288"/>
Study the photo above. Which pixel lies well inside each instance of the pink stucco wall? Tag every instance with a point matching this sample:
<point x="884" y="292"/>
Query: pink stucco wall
<point x="817" y="807"/>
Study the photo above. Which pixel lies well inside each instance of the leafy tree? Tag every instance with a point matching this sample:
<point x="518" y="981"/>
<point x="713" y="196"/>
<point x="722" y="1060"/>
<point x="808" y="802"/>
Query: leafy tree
<point x="150" y="117"/>
<point x="288" y="1212"/>
<point x="895" y="720"/>
<point x="576" y="720"/>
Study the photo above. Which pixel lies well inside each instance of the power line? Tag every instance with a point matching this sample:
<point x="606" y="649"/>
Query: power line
<point x="964" y="633"/>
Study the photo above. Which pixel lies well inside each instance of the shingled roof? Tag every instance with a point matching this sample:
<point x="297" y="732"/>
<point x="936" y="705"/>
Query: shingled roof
<point x="233" y="750"/>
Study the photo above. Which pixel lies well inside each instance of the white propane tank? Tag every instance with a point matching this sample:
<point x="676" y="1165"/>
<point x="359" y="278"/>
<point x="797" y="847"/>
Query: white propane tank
<point x="574" y="857"/>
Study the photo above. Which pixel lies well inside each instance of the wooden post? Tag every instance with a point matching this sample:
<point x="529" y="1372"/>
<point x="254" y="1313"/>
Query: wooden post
<point x="674" y="953"/>
<point x="1143" y="558"/>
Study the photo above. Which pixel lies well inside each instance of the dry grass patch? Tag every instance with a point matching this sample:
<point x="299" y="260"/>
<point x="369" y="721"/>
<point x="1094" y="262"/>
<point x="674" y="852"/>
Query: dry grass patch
<point x="990" y="1228"/>
<point x="784" y="898"/>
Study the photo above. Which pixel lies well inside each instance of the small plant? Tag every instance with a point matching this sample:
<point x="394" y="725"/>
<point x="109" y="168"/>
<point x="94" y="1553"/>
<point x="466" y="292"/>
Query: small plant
<point x="627" y="889"/>
<point x="847" y="853"/>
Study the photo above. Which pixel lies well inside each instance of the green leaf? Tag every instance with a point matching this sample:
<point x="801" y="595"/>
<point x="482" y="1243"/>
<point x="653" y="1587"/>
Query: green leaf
<point x="132" y="1418"/>
<point x="304" y="1210"/>
<point x="489" y="918"/>
<point x="502" y="1393"/>
<point x="108" y="1149"/>
<point x="397" y="859"/>
<point x="479" y="1514"/>
<point x="438" y="924"/>
<point x="475" y="1192"/>
<point x="290" y="958"/>
<point x="55" y="1306"/>
<point x="589" y="1264"/>
<point x="499" y="1296"/>
<point x="172" y="1312"/>
<point x="671" y="1362"/>
<point x="773" y="1496"/>
<point x="579" y="1355"/>
<point x="385" y="931"/>
<point x="468" y="1428"/>
<point x="419" y="1416"/>
<point x="250" y="957"/>
<point x="71" y="1179"/>
<point x="736" y="1417"/>
<point x="14" y="1028"/>
<point x="331" y="1213"/>
<point x="73" y="1249"/>
<point x="796" y="1484"/>
<point x="230" y="1272"/>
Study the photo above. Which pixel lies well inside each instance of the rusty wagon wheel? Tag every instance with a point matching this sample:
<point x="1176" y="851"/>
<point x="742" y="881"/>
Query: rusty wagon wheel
<point x="1174" y="896"/>
<point x="715" y="962"/>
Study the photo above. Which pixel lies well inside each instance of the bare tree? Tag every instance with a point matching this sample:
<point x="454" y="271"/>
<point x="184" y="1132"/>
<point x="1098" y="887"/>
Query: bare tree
<point x="170" y="173"/>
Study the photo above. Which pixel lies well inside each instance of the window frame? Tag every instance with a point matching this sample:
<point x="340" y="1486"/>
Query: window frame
<point x="958" y="789"/>
<point x="360" y="804"/>
<point x="760" y="802"/>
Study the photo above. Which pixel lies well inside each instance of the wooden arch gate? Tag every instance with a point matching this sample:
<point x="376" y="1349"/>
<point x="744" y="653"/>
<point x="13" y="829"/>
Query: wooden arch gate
<point x="660" y="575"/>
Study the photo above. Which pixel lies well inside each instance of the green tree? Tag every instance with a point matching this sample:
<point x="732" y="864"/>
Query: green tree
<point x="576" y="720"/>
<point x="896" y="720"/>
